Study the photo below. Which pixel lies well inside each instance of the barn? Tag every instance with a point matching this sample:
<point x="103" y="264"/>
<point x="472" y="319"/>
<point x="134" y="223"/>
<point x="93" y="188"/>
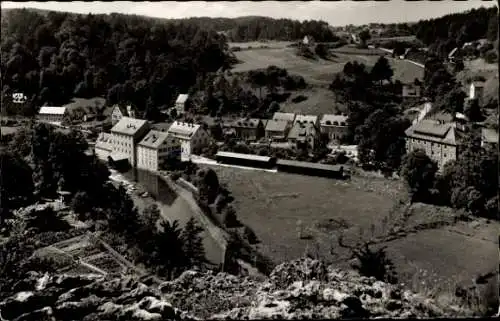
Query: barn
<point x="245" y="159"/>
<point x="312" y="169"/>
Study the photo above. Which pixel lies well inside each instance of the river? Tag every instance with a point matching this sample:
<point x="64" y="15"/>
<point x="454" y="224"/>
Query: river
<point x="172" y="206"/>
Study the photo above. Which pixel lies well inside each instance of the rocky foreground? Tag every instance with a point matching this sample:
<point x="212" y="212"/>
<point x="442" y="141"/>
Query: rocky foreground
<point x="295" y="290"/>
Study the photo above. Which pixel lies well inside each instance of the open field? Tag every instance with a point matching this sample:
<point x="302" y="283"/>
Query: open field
<point x="272" y="204"/>
<point x="401" y="38"/>
<point x="319" y="101"/>
<point x="257" y="44"/>
<point x="320" y="71"/>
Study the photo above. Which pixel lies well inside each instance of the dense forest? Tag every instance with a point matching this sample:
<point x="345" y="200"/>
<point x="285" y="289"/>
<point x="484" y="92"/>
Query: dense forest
<point x="253" y="28"/>
<point x="52" y="57"/>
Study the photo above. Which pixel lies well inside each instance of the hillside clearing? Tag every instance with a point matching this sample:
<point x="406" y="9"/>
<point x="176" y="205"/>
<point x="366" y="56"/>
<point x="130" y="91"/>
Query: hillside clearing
<point x="319" y="101"/>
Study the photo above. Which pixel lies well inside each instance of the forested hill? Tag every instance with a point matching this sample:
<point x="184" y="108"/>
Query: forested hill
<point x="252" y="28"/>
<point x="53" y="56"/>
<point x="447" y="32"/>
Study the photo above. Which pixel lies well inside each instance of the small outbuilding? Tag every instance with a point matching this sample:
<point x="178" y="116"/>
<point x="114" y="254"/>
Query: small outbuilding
<point x="245" y="159"/>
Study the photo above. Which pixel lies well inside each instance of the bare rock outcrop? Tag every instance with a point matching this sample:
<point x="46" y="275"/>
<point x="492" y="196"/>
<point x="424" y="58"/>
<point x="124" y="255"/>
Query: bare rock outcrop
<point x="301" y="289"/>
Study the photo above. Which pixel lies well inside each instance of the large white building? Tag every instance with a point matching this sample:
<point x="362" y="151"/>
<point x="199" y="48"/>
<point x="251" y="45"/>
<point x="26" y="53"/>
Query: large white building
<point x="53" y="115"/>
<point x="335" y="126"/>
<point x="103" y="146"/>
<point x="192" y="137"/>
<point x="155" y="149"/>
<point x="124" y="137"/>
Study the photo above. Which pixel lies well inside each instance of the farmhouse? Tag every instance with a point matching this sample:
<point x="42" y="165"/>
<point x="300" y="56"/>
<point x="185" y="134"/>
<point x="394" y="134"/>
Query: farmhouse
<point x="103" y="147"/>
<point x="120" y="111"/>
<point x="308" y="40"/>
<point x="155" y="149"/>
<point x="489" y="137"/>
<point x="311" y="119"/>
<point x="180" y="103"/>
<point x="284" y="116"/>
<point x="476" y="90"/>
<point x="248" y="128"/>
<point x="53" y="115"/>
<point x="439" y="138"/>
<point x="335" y="126"/>
<point x="304" y="134"/>
<point x="277" y="130"/>
<point x="192" y="137"/>
<point x="124" y="137"/>
<point x="245" y="159"/>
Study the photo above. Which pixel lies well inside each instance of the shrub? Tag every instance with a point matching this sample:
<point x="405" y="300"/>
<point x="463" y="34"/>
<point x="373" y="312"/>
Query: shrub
<point x="250" y="235"/>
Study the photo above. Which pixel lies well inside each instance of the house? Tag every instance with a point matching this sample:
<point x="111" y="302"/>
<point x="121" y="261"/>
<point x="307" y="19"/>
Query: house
<point x="120" y="111"/>
<point x="124" y="138"/>
<point x="53" y="115"/>
<point x="439" y="137"/>
<point x="103" y="146"/>
<point x="277" y="130"/>
<point x="180" y="103"/>
<point x="411" y="92"/>
<point x="308" y="41"/>
<point x="284" y="116"/>
<point x="452" y="55"/>
<point x="476" y="89"/>
<point x="335" y="126"/>
<point x="155" y="149"/>
<point x="192" y="137"/>
<point x="312" y="119"/>
<point x="489" y="137"/>
<point x="248" y="128"/>
<point x="304" y="133"/>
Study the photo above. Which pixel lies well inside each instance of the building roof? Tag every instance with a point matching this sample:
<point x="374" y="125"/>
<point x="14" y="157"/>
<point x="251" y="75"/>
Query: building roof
<point x="325" y="167"/>
<point x="117" y="156"/>
<point x="153" y="139"/>
<point x="246" y="123"/>
<point x="276" y="125"/>
<point x="411" y="90"/>
<point x="333" y="120"/>
<point x="435" y="131"/>
<point x="162" y="126"/>
<point x="302" y="130"/>
<point x="489" y="135"/>
<point x="45" y="110"/>
<point x="284" y="116"/>
<point x="181" y="99"/>
<point x="183" y="130"/>
<point x="129" y="126"/>
<point x="477" y="83"/>
<point x="264" y="122"/>
<point x="104" y="141"/>
<point x="306" y="119"/>
<point x="244" y="156"/>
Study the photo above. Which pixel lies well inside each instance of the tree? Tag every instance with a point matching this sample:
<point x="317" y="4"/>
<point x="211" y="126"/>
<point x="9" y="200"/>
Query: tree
<point x="16" y="188"/>
<point x="45" y="220"/>
<point x="170" y="255"/>
<point x="364" y="36"/>
<point x="382" y="70"/>
<point x="321" y="50"/>
<point x="81" y="204"/>
<point x="193" y="243"/>
<point x="229" y="218"/>
<point x="419" y="172"/>
<point x="258" y="80"/>
<point x="473" y="111"/>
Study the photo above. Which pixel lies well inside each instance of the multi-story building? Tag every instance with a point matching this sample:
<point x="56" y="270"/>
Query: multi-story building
<point x="277" y="130"/>
<point x="192" y="137"/>
<point x="53" y="115"/>
<point x="103" y="146"/>
<point x="180" y="103"/>
<point x="310" y="119"/>
<point x="304" y="133"/>
<point x="155" y="149"/>
<point x="335" y="126"/>
<point x="124" y="137"/>
<point x="248" y="128"/>
<point x="438" y="137"/>
<point x="119" y="112"/>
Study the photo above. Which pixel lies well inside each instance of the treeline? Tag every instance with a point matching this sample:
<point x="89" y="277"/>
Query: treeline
<point x="55" y="56"/>
<point x="253" y="28"/>
<point x="450" y="31"/>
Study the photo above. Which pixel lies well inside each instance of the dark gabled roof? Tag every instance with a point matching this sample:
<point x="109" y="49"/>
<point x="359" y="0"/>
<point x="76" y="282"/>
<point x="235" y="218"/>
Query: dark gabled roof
<point x="243" y="156"/>
<point x="324" y="167"/>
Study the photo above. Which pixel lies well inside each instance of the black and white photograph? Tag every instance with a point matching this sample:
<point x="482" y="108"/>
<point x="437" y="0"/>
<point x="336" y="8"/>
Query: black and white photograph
<point x="249" y="160"/>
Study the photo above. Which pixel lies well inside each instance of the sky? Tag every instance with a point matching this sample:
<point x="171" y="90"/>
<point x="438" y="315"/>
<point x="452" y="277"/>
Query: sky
<point x="339" y="13"/>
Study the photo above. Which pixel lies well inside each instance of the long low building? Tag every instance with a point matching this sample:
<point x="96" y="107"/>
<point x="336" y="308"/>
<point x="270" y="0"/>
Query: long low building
<point x="245" y="159"/>
<point x="312" y="169"/>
